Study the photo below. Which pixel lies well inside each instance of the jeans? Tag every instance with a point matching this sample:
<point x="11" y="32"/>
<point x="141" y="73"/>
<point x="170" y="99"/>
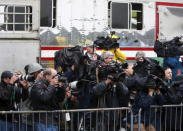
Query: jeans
<point x="8" y="126"/>
<point x="43" y="127"/>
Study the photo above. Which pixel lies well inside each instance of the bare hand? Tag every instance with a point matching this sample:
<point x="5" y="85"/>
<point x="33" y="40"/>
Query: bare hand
<point x="13" y="79"/>
<point x="24" y="83"/>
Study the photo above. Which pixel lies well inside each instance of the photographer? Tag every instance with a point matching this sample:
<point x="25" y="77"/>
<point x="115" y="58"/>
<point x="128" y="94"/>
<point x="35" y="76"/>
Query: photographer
<point x="104" y="68"/>
<point x="91" y="54"/>
<point x="176" y="65"/>
<point x="110" y="43"/>
<point x="145" y="66"/>
<point x="133" y="81"/>
<point x="151" y="95"/>
<point x="118" y="54"/>
<point x="172" y="93"/>
<point x="34" y="72"/>
<point x="110" y="94"/>
<point x="10" y="95"/>
<point x="46" y="95"/>
<point x="141" y="66"/>
<point x="91" y="61"/>
<point x="71" y="93"/>
<point x="110" y="84"/>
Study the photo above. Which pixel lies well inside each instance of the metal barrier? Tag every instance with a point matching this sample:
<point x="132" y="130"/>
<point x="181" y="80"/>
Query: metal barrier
<point x="157" y="118"/>
<point x="161" y="118"/>
<point x="103" y="119"/>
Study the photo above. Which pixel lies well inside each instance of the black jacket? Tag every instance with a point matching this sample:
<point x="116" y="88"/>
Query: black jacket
<point x="110" y="96"/>
<point x="46" y="98"/>
<point x="10" y="95"/>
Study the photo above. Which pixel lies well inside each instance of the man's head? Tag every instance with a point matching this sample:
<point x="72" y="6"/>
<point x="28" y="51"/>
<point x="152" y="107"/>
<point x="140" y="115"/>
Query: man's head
<point x="51" y="76"/>
<point x="90" y="48"/>
<point x="129" y="71"/>
<point x="140" y="55"/>
<point x="8" y="77"/>
<point x="107" y="57"/>
<point x="168" y="73"/>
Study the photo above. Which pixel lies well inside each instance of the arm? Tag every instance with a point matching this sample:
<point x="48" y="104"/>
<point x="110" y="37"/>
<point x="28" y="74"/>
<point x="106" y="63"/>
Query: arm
<point x="70" y="74"/>
<point x="101" y="87"/>
<point x="120" y="55"/>
<point x="60" y="94"/>
<point x="41" y="93"/>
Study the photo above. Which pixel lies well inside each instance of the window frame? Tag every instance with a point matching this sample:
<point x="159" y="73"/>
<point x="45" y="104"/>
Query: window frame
<point x="27" y="15"/>
<point x="131" y="11"/>
<point x="53" y="19"/>
<point x="129" y="15"/>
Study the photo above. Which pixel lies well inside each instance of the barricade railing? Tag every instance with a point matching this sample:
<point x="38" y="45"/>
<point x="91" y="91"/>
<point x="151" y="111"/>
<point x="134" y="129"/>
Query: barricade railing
<point x="101" y="119"/>
<point x="161" y="118"/>
<point x="156" y="118"/>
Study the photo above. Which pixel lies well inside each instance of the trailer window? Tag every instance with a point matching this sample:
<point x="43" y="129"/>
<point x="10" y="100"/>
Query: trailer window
<point x="48" y="13"/>
<point x="120" y="15"/>
<point x="136" y="16"/>
<point x="125" y="15"/>
<point x="15" y="18"/>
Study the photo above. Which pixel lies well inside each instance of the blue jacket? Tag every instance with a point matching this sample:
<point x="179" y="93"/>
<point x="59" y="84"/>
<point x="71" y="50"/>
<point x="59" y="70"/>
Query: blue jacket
<point x="148" y="115"/>
<point x="174" y="64"/>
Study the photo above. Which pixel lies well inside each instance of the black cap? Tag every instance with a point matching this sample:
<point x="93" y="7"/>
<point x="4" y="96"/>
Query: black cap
<point x="150" y="82"/>
<point x="6" y="74"/>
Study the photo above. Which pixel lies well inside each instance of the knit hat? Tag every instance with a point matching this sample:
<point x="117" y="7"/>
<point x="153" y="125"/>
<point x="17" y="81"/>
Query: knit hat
<point x="34" y="67"/>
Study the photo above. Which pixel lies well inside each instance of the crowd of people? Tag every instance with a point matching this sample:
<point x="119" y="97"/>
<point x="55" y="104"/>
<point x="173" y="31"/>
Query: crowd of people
<point x="106" y="83"/>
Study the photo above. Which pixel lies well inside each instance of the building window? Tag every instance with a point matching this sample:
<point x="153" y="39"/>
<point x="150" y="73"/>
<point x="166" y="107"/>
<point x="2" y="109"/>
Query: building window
<point x="48" y="13"/>
<point x="125" y="15"/>
<point x="15" y="18"/>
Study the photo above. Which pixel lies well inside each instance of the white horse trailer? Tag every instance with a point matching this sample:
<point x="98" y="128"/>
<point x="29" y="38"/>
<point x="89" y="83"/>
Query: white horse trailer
<point x="19" y="33"/>
<point x="139" y="23"/>
<point x="66" y="23"/>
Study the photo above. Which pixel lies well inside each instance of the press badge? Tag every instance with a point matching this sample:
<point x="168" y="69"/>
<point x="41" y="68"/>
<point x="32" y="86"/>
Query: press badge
<point x="67" y="117"/>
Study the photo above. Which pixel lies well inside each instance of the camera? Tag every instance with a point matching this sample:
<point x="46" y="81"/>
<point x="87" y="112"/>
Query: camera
<point x="106" y="43"/>
<point x="113" y="71"/>
<point x="62" y="79"/>
<point x="29" y="78"/>
<point x="170" y="48"/>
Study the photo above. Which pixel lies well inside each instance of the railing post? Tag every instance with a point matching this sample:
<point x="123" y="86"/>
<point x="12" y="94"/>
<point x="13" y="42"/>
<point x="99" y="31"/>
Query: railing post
<point x="131" y="122"/>
<point x="139" y="120"/>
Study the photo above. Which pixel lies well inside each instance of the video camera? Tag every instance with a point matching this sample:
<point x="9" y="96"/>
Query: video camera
<point x="170" y="48"/>
<point x="113" y="71"/>
<point x="106" y="43"/>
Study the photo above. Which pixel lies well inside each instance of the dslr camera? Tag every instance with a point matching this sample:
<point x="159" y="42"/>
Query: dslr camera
<point x="21" y="77"/>
<point x="62" y="79"/>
